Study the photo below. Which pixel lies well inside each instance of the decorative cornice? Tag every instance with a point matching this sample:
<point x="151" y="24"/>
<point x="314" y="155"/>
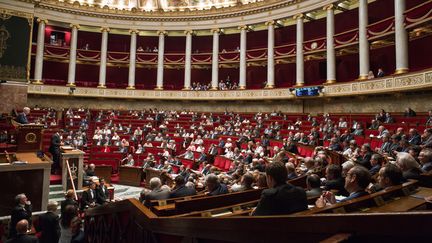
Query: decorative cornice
<point x="39" y="20"/>
<point x="189" y="32"/>
<point x="270" y="22"/>
<point x="298" y="16"/>
<point x="74" y="26"/>
<point x="133" y="31"/>
<point x="162" y="32"/>
<point x="105" y="29"/>
<point x="391" y="84"/>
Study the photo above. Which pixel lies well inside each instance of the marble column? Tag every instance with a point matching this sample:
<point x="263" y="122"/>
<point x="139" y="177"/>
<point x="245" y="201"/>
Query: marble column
<point x="363" y="40"/>
<point x="72" y="55"/>
<point x="299" y="50"/>
<point x="132" y="59"/>
<point x="160" y="64"/>
<point x="215" y="60"/>
<point x="243" y="64"/>
<point x="270" y="55"/>
<point x="188" y="60"/>
<point x="401" y="38"/>
<point x="40" y="51"/>
<point x="103" y="58"/>
<point x="331" y="55"/>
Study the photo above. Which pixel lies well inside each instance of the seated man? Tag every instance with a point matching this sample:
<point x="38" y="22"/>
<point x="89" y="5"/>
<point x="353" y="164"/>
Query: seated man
<point x="390" y="175"/>
<point x="356" y="182"/>
<point x="22" y="117"/>
<point x="409" y="166"/>
<point x="22" y="236"/>
<point x="245" y="184"/>
<point x="313" y="184"/>
<point x="214" y="187"/>
<point x="156" y="193"/>
<point x="102" y="192"/>
<point x="281" y="197"/>
<point x="180" y="189"/>
<point x="89" y="197"/>
<point x="425" y="158"/>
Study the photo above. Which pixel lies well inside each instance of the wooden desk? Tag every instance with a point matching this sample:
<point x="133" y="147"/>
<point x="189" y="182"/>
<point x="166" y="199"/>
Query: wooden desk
<point x="404" y="204"/>
<point x="76" y="160"/>
<point x="104" y="171"/>
<point x="130" y="175"/>
<point x="31" y="178"/>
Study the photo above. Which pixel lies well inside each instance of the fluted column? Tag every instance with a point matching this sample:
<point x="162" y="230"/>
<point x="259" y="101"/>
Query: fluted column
<point x="242" y="76"/>
<point x="215" y="60"/>
<point x="299" y="50"/>
<point x="103" y="58"/>
<point x="188" y="60"/>
<point x="401" y="38"/>
<point x="160" y="66"/>
<point x="363" y="40"/>
<point x="132" y="59"/>
<point x="270" y="55"/>
<point x="40" y="51"/>
<point x="72" y="55"/>
<point x="331" y="56"/>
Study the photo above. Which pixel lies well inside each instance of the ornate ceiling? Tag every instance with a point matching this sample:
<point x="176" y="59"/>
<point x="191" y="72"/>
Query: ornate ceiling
<point x="165" y="5"/>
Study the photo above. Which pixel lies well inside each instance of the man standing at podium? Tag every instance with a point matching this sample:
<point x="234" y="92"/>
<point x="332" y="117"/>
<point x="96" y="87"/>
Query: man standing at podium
<point x="54" y="149"/>
<point x="22" y="117"/>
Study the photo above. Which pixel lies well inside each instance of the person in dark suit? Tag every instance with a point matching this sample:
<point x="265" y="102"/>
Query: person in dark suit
<point x="180" y="189"/>
<point x="89" y="197"/>
<point x="21" y="236"/>
<point x="414" y="137"/>
<point x="281" y="197"/>
<point x="214" y="187"/>
<point x="335" y="181"/>
<point x="313" y="184"/>
<point x="22" y="117"/>
<point x="102" y="192"/>
<point x="375" y="162"/>
<point x="54" y="149"/>
<point x="69" y="200"/>
<point x="365" y="157"/>
<point x="157" y="193"/>
<point x="356" y="182"/>
<point x="22" y="210"/>
<point x="48" y="226"/>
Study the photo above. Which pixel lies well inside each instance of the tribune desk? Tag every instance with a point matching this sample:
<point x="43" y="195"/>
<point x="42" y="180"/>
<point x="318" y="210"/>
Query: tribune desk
<point x="31" y="178"/>
<point x="76" y="160"/>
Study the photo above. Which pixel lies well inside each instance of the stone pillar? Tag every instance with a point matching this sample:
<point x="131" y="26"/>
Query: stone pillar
<point x="401" y="38"/>
<point x="299" y="50"/>
<point x="160" y="64"/>
<point x="132" y="59"/>
<point x="242" y="76"/>
<point x="103" y="58"/>
<point x="40" y="51"/>
<point x="215" y="60"/>
<point x="363" y="40"/>
<point x="331" y="56"/>
<point x="72" y="55"/>
<point x="270" y="55"/>
<point x="188" y="60"/>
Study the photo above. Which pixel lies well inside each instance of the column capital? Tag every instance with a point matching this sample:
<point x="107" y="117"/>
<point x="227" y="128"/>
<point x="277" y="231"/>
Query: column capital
<point x="189" y="32"/>
<point x="133" y="31"/>
<point x="216" y="30"/>
<point x="298" y="16"/>
<point x="77" y="26"/>
<point x="105" y="29"/>
<point x="42" y="20"/>
<point x="329" y="7"/>
<point x="270" y="22"/>
<point x="243" y="27"/>
<point x="162" y="32"/>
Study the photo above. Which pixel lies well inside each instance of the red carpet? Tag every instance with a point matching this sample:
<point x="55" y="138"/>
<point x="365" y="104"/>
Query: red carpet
<point x="55" y="180"/>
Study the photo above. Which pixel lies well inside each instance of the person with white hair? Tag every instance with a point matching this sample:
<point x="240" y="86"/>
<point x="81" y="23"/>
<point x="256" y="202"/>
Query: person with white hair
<point x="48" y="224"/>
<point x="157" y="192"/>
<point x="22" y="210"/>
<point x="22" y="117"/>
<point x="409" y="166"/>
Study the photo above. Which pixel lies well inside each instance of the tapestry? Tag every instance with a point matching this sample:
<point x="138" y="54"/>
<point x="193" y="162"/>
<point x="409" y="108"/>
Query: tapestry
<point x="15" y="30"/>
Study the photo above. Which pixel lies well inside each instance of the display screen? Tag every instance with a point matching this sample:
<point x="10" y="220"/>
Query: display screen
<point x="307" y="91"/>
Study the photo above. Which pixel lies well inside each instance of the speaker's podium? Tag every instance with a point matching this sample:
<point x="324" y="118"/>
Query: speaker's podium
<point x="26" y="171"/>
<point x="74" y="158"/>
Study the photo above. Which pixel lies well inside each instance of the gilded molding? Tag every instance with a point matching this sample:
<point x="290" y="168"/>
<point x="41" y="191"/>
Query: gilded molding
<point x="162" y="32"/>
<point x="390" y="84"/>
<point x="103" y="29"/>
<point x="74" y="26"/>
